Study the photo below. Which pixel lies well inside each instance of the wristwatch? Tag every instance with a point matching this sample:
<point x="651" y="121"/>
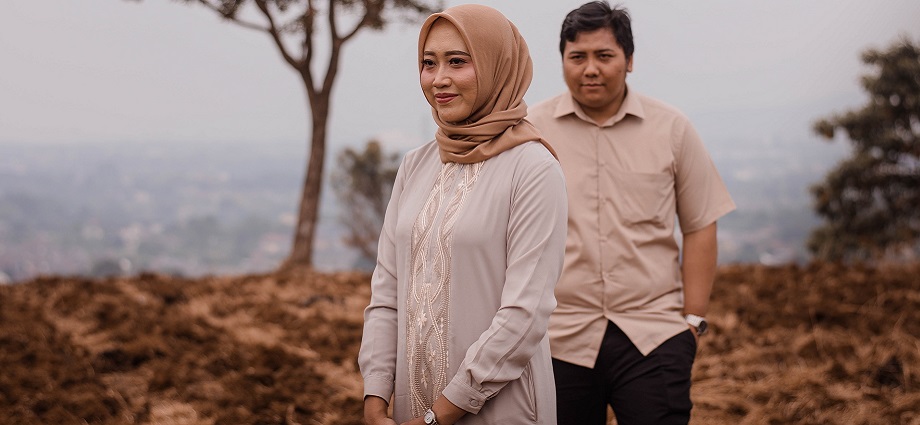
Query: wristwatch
<point x="430" y="419"/>
<point x="697" y="322"/>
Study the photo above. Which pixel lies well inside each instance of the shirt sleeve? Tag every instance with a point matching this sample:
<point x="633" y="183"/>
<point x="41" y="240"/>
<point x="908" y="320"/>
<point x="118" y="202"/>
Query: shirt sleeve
<point x="535" y="249"/>
<point x="377" y="355"/>
<point x="702" y="197"/>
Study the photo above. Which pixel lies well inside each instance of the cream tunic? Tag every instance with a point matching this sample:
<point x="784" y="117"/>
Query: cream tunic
<point x="468" y="259"/>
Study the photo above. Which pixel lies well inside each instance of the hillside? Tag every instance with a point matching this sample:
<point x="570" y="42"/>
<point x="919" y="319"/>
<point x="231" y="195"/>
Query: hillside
<point x="229" y="208"/>
<point x="819" y="344"/>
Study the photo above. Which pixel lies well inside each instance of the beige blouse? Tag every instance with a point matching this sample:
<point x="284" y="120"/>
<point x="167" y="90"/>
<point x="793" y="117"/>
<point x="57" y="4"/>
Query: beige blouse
<point x="468" y="259"/>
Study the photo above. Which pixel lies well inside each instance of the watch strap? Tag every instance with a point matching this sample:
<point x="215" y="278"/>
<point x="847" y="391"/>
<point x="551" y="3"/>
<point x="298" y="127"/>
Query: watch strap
<point x="698" y="323"/>
<point x="430" y="418"/>
<point x="694" y="320"/>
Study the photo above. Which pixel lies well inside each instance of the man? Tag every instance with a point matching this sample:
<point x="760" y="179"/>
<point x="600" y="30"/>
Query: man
<point x="630" y="311"/>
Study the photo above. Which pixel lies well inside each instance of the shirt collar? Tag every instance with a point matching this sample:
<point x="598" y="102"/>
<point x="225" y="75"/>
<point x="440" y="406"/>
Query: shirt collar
<point x="631" y="106"/>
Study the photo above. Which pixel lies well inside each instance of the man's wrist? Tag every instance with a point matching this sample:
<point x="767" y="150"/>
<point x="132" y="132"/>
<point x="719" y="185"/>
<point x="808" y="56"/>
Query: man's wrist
<point x="697" y="322"/>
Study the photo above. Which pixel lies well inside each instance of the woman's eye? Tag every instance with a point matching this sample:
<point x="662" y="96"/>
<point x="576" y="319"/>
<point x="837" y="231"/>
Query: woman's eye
<point x="457" y="61"/>
<point x="427" y="62"/>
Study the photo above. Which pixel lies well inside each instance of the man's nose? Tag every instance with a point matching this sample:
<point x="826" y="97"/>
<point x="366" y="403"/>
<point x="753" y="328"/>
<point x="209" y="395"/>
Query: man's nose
<point x="591" y="68"/>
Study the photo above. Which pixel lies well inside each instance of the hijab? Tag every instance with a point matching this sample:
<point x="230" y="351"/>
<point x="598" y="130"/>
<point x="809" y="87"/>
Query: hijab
<point x="504" y="71"/>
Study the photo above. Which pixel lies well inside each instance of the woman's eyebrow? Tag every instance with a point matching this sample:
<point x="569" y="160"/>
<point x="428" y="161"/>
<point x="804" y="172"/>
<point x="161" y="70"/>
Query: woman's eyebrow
<point x="448" y="53"/>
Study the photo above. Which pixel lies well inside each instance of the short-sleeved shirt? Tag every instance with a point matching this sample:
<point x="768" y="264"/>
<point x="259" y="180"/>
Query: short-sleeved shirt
<point x="627" y="179"/>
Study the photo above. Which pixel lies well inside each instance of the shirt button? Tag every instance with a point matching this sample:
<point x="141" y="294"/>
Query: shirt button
<point x="474" y="402"/>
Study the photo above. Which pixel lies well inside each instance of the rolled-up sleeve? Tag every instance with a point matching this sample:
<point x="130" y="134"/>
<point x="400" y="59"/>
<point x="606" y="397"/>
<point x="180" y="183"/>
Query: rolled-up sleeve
<point x="535" y="249"/>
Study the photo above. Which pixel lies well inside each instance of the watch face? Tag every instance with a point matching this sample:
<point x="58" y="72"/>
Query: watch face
<point x="429" y="417"/>
<point x="701" y="329"/>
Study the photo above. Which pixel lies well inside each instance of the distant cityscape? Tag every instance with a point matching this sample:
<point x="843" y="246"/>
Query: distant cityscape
<point x="226" y="208"/>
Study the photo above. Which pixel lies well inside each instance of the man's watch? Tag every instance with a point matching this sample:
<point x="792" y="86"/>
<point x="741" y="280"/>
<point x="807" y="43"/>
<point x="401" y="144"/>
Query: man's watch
<point x="697" y="322"/>
<point x="430" y="419"/>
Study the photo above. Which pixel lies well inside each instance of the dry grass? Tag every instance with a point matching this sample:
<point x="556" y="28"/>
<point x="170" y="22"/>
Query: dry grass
<point x="820" y="344"/>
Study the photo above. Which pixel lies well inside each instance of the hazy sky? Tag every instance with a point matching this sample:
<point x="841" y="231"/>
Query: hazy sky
<point x="124" y="71"/>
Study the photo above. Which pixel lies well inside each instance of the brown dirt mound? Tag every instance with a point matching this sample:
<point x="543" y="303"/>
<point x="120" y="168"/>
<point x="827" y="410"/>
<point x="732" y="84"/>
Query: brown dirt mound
<point x="820" y="344"/>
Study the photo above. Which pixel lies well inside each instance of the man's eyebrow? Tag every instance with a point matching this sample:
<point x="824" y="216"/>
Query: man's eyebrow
<point x="604" y="50"/>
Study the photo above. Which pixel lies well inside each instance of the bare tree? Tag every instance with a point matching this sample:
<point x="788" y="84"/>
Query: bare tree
<point x="300" y="23"/>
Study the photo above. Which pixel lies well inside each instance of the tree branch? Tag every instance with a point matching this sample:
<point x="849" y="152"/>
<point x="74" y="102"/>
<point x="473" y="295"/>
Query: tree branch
<point x="276" y="35"/>
<point x="307" y="49"/>
<point x="335" y="45"/>
<point x="372" y="10"/>
<point x="232" y="17"/>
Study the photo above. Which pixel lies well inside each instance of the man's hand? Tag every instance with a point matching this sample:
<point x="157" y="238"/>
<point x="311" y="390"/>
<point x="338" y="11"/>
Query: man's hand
<point x="696" y="336"/>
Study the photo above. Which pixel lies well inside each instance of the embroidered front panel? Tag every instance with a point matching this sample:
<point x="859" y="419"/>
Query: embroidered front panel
<point x="428" y="301"/>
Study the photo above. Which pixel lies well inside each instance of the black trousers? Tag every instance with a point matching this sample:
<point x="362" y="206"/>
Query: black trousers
<point x="652" y="389"/>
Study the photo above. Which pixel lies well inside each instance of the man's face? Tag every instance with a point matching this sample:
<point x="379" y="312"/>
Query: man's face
<point x="595" y="70"/>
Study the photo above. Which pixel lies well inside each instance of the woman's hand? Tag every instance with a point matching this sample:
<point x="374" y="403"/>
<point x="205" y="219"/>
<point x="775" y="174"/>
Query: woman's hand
<point x="375" y="411"/>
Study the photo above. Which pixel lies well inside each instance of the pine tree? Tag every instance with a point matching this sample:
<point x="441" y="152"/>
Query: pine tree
<point x="870" y="202"/>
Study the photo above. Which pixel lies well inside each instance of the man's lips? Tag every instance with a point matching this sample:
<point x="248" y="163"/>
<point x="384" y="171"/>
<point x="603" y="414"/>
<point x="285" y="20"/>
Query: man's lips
<point x="444" y="97"/>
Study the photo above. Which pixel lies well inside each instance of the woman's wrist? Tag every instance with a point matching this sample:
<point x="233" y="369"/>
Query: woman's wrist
<point x="375" y="409"/>
<point x="446" y="411"/>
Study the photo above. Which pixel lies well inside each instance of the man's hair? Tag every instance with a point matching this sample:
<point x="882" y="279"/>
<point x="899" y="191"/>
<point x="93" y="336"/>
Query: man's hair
<point x="596" y="15"/>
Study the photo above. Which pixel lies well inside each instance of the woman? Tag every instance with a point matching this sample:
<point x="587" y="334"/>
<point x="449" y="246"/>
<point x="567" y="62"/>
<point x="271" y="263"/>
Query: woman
<point x="471" y="245"/>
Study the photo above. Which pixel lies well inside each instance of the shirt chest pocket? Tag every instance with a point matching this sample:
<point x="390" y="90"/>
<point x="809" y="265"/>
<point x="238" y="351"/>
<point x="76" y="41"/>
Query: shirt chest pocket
<point x="643" y="198"/>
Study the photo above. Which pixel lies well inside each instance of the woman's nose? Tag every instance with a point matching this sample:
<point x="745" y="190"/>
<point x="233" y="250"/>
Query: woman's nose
<point x="441" y="82"/>
<point x="441" y="79"/>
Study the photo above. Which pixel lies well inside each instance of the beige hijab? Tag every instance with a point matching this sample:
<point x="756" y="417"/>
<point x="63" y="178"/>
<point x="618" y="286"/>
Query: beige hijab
<point x="503" y="72"/>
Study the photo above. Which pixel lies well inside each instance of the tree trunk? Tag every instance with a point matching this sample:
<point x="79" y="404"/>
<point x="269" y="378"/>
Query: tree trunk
<point x="304" y="234"/>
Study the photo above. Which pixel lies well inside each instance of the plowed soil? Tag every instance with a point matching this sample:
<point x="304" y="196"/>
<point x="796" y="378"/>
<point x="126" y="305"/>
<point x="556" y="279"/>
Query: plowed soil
<point x="819" y="344"/>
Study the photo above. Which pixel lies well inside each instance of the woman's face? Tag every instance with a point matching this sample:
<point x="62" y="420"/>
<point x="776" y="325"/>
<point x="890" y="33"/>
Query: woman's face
<point x="448" y="76"/>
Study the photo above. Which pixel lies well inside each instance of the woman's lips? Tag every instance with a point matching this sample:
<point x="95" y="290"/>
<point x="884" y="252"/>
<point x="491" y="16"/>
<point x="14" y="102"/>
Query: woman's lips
<point x="444" y="97"/>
